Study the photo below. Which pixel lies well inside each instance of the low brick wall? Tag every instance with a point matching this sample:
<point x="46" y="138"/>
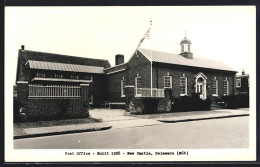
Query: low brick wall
<point x="35" y="109"/>
<point x="46" y="109"/>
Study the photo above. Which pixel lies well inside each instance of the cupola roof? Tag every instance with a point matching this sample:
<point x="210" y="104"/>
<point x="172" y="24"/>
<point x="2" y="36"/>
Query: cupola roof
<point x="185" y="41"/>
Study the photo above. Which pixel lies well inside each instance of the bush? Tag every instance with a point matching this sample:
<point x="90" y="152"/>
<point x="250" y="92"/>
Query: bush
<point x="190" y="103"/>
<point x="150" y="105"/>
<point x="236" y="101"/>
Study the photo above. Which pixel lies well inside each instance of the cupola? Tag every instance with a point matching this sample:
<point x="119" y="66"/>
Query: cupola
<point x="185" y="48"/>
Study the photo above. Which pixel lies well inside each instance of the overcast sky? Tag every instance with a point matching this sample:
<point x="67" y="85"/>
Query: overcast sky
<point x="225" y="34"/>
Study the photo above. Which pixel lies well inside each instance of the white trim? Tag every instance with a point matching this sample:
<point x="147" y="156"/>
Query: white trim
<point x="216" y="92"/>
<point x="170" y="81"/>
<point x="238" y="79"/>
<point x="204" y="84"/>
<point x="186" y="89"/>
<point x="60" y="79"/>
<point x="137" y="87"/>
<point x="122" y="88"/>
<point x="91" y="100"/>
<point x="115" y="71"/>
<point x="227" y="87"/>
<point x="84" y="84"/>
<point x="22" y="82"/>
<point x="129" y="86"/>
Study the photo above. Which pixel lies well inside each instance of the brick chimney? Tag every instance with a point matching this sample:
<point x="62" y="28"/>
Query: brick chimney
<point x="119" y="59"/>
<point x="22" y="47"/>
<point x="243" y="72"/>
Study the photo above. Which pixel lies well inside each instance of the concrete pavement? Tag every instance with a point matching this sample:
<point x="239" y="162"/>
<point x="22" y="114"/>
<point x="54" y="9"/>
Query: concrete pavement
<point x="118" y="119"/>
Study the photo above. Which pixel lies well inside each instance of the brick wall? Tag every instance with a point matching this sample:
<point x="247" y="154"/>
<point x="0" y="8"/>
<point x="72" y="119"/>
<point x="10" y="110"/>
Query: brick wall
<point x="51" y="108"/>
<point x="177" y="72"/>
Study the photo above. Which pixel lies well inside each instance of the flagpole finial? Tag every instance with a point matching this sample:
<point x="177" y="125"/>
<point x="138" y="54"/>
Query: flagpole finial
<point x="151" y="22"/>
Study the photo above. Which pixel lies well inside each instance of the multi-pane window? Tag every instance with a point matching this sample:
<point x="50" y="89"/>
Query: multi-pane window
<point x="167" y="82"/>
<point x="74" y="76"/>
<point x="138" y="85"/>
<point x="40" y="74"/>
<point x="226" y="88"/>
<point x="58" y="76"/>
<point x="183" y="86"/>
<point x="123" y="87"/>
<point x="238" y="82"/>
<point x="214" y="87"/>
<point x="88" y="77"/>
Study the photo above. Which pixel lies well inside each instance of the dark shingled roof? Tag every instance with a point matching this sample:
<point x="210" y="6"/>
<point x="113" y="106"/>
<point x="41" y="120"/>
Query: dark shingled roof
<point x="25" y="55"/>
<point x="58" y="58"/>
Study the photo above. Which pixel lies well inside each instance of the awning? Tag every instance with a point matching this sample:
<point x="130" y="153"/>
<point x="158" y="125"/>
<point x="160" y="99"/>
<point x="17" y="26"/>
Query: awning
<point x="65" y="67"/>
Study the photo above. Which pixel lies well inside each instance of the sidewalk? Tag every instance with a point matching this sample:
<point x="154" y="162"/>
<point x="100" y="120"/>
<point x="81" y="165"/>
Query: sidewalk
<point x="118" y="119"/>
<point x="57" y="130"/>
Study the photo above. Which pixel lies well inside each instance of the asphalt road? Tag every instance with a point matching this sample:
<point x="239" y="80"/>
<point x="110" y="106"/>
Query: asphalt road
<point x="214" y="133"/>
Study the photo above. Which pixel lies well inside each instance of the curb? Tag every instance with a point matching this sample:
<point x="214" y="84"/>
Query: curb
<point x="197" y="119"/>
<point x="62" y="132"/>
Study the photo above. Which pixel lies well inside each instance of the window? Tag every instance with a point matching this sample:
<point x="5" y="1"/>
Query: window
<point x="123" y="88"/>
<point x="182" y="48"/>
<point x="188" y="48"/>
<point x="90" y="100"/>
<point x="88" y="77"/>
<point x="167" y="82"/>
<point x="74" y="76"/>
<point x="40" y="74"/>
<point x="58" y="76"/>
<point x="226" y="88"/>
<point x="214" y="87"/>
<point x="238" y="83"/>
<point x="183" y="86"/>
<point x="138" y="86"/>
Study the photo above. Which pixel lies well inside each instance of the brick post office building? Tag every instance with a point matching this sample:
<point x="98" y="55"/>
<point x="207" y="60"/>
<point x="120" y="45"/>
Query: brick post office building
<point x="182" y="73"/>
<point x="53" y="77"/>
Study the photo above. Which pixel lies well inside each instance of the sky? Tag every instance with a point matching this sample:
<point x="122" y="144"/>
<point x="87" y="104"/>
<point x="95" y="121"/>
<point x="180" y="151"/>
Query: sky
<point x="224" y="33"/>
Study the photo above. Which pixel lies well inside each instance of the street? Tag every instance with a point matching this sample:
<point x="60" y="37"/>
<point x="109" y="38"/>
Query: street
<point x="204" y="134"/>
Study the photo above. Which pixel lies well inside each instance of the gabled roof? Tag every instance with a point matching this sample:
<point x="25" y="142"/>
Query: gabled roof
<point x="25" y="55"/>
<point x="169" y="58"/>
<point x="65" y="67"/>
<point x="58" y="58"/>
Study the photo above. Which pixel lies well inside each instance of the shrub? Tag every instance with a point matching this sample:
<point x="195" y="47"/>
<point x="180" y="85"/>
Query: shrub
<point x="190" y="103"/>
<point x="236" y="101"/>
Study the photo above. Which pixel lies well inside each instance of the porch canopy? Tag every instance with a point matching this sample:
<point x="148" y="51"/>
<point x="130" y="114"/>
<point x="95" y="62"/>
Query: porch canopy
<point x="42" y="65"/>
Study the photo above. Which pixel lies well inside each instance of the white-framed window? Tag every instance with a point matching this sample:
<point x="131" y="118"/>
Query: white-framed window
<point x="74" y="76"/>
<point x="58" y="76"/>
<point x="226" y="88"/>
<point x="238" y="82"/>
<point x="138" y="86"/>
<point x="183" y="86"/>
<point x="89" y="78"/>
<point x="40" y="74"/>
<point x="214" y="87"/>
<point x="90" y="100"/>
<point x="123" y="87"/>
<point x="167" y="81"/>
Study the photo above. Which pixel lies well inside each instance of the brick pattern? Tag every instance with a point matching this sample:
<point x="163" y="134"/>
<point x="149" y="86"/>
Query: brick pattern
<point x="49" y="108"/>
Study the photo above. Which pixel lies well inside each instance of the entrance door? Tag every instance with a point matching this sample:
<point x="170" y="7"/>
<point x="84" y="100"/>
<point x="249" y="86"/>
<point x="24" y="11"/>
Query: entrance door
<point x="201" y="87"/>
